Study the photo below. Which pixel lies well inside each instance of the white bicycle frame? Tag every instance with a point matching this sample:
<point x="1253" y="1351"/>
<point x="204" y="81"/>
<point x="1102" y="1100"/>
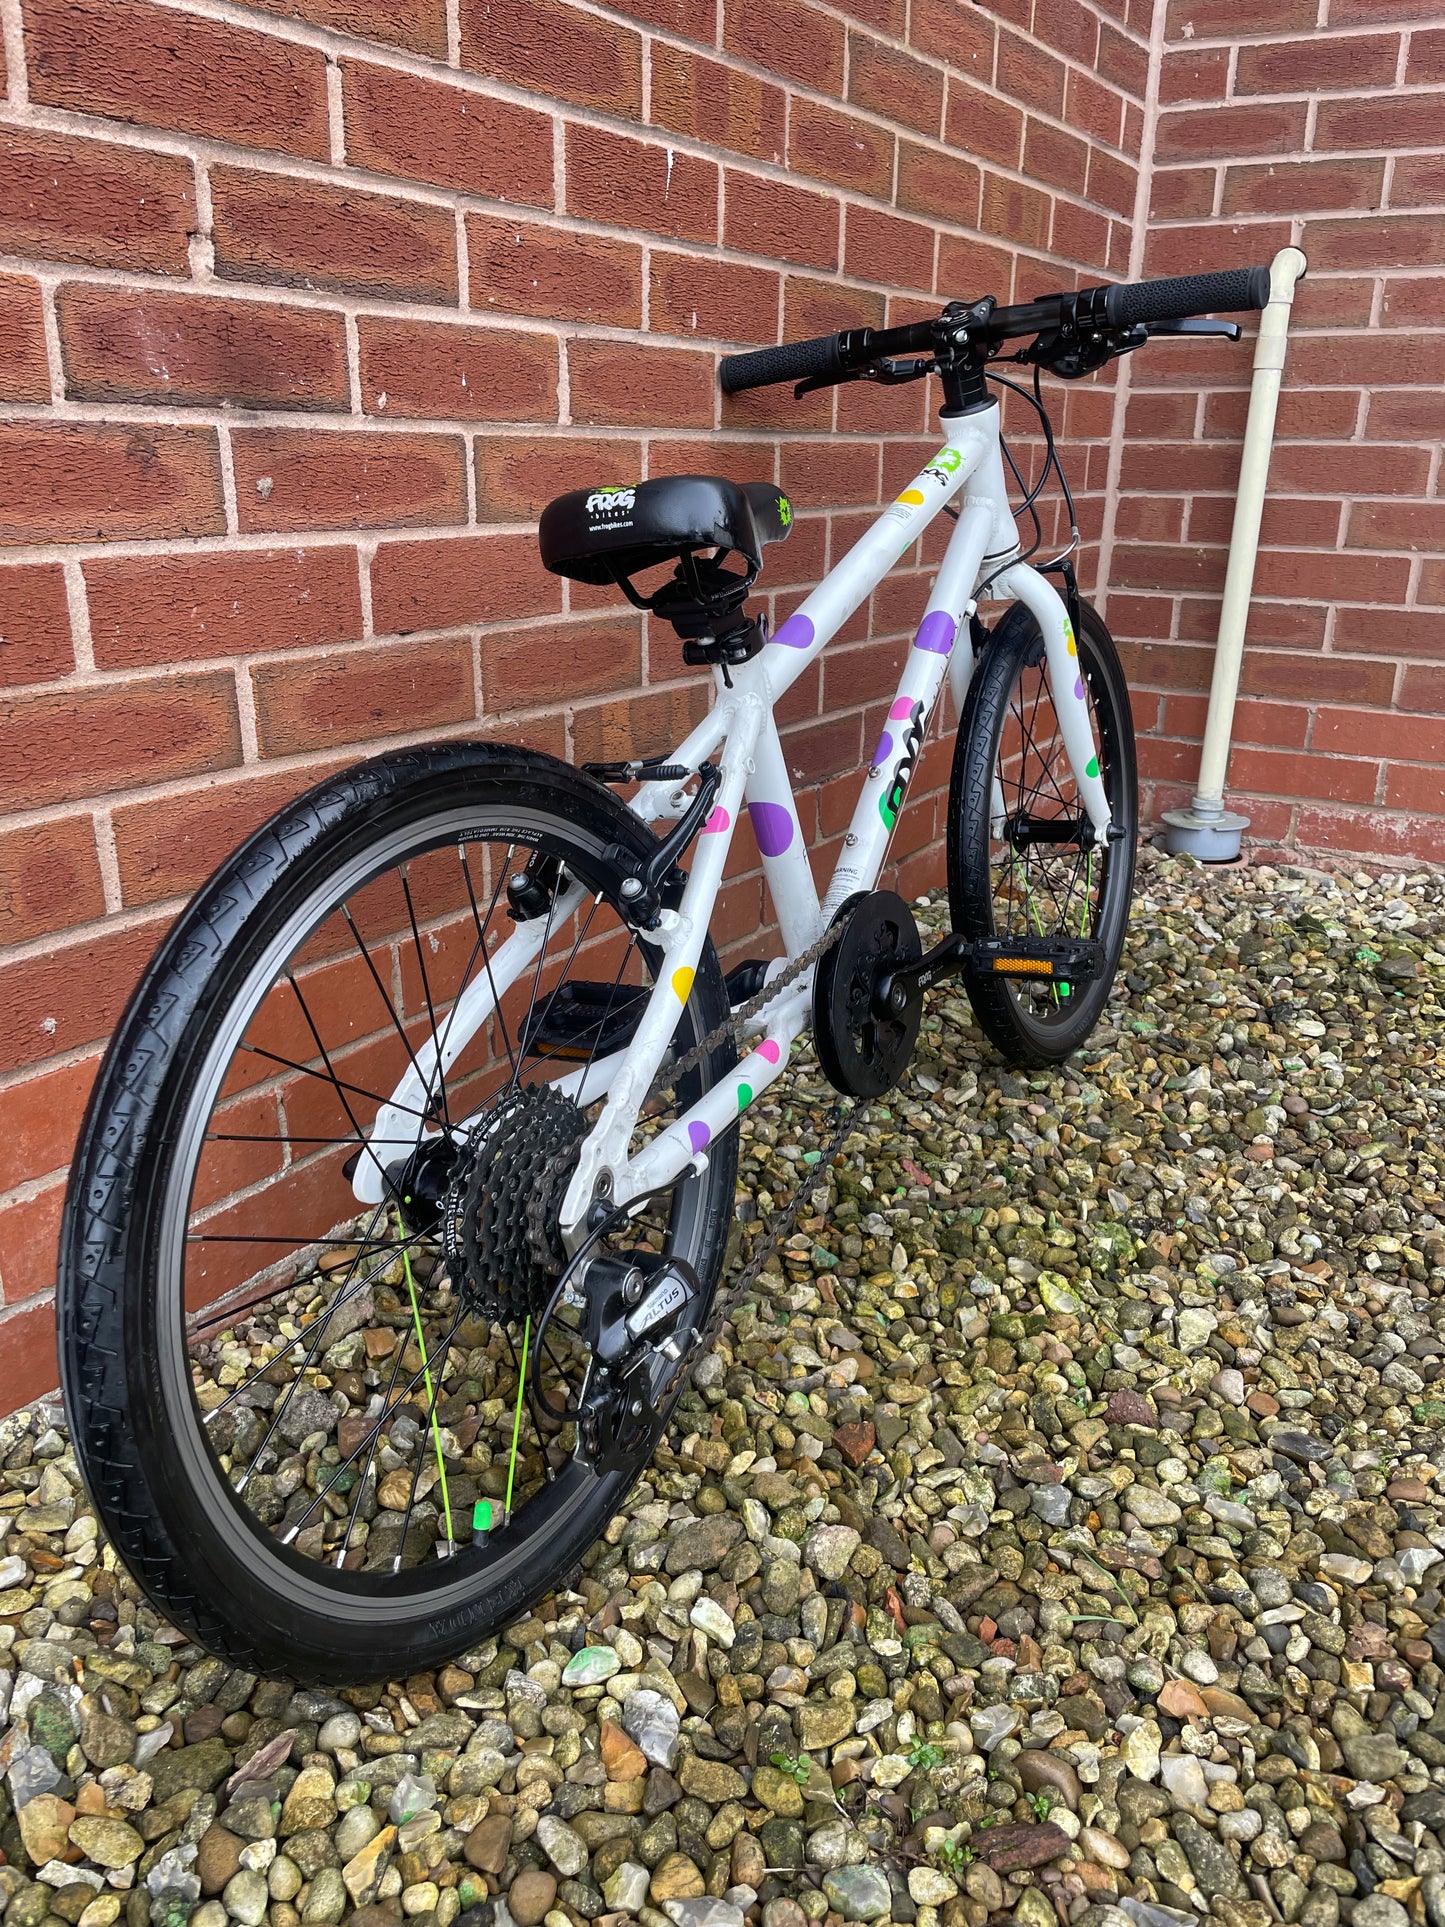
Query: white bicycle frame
<point x="984" y="544"/>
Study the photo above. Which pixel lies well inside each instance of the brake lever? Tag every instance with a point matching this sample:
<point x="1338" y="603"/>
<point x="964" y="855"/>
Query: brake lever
<point x="885" y="371"/>
<point x="1196" y="325"/>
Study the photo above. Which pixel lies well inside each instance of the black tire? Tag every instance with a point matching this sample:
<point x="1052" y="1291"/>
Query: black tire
<point x="157" y="1485"/>
<point x="1082" y="893"/>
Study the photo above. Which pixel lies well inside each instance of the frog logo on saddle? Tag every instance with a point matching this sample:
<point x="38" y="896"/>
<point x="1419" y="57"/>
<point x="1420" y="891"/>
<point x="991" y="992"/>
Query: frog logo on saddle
<point x="604" y="503"/>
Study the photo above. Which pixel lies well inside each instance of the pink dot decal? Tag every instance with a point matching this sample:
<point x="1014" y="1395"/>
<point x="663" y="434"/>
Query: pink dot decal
<point x="901" y="711"/>
<point x="773" y="827"/>
<point x="717" y="822"/>
<point x="699" y="1137"/>
<point x="883" y="751"/>
<point x="1079" y="689"/>
<point x="936" y="633"/>
<point x="796" y="633"/>
<point x="769" y="1051"/>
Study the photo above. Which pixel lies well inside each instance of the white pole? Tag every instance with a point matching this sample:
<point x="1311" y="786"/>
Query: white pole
<point x="1207" y="829"/>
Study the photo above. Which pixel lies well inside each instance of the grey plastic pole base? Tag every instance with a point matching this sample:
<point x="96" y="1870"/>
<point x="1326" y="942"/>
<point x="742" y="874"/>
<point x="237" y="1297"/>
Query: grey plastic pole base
<point x="1213" y="836"/>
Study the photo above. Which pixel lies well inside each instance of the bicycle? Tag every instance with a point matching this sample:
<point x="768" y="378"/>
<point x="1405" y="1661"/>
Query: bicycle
<point x="421" y="1122"/>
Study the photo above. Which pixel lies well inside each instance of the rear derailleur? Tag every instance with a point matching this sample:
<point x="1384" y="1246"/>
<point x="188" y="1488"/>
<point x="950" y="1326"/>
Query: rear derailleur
<point x="635" y="1307"/>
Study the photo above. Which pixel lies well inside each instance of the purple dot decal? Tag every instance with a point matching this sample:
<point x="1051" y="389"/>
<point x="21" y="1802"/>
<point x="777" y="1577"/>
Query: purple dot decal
<point x="796" y="633"/>
<point x="773" y="827"/>
<point x="936" y="633"/>
<point x="883" y="751"/>
<point x="901" y="711"/>
<point x="769" y="1051"/>
<point x="699" y="1136"/>
<point x="1079" y="688"/>
<point x="717" y="822"/>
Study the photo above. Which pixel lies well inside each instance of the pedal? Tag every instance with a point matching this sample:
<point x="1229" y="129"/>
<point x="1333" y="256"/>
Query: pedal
<point x="582" y="1021"/>
<point x="1043" y="960"/>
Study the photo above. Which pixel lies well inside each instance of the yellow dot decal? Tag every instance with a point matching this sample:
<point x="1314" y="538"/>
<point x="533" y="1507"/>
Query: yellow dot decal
<point x="682" y="984"/>
<point x="913" y="497"/>
<point x="1069" y="639"/>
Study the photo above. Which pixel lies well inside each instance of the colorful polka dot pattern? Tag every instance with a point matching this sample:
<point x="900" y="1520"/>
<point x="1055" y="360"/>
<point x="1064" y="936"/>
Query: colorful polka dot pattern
<point x="773" y="827"/>
<point x="796" y="633"/>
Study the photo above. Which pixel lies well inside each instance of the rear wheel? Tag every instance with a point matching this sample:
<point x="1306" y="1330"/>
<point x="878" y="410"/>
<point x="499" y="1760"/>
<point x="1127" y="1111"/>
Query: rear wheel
<point x="1012" y="780"/>
<point x="344" y="1443"/>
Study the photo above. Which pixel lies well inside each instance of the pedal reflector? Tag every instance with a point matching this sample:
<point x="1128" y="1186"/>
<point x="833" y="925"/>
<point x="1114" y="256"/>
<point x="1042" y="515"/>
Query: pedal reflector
<point x="1023" y="966"/>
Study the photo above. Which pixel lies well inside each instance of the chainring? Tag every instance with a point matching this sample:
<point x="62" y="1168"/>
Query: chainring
<point x="499" y="1217"/>
<point x="863" y="1053"/>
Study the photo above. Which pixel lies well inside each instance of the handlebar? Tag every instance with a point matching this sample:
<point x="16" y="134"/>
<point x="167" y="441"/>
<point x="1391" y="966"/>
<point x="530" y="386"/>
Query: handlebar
<point x="1114" y="306"/>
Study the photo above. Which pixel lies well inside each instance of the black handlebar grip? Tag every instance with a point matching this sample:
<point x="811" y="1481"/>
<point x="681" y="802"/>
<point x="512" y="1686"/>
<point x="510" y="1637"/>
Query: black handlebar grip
<point x="1230" y="292"/>
<point x="820" y="359"/>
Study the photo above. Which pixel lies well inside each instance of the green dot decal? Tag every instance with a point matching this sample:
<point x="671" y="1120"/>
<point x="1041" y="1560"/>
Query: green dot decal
<point x="890" y="816"/>
<point x="745" y="1096"/>
<point x="1091" y="768"/>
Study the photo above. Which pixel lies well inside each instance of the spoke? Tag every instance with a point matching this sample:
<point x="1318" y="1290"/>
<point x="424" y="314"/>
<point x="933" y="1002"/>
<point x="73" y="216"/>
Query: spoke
<point x="263" y="1137"/>
<point x="426" y="992"/>
<point x="381" y="991"/>
<point x="571" y="956"/>
<point x="537" y="977"/>
<point x="482" y="929"/>
<point x="607" y="1011"/>
<point x="350" y="1114"/>
<point x="434" y="1394"/>
<point x="357" y="1090"/>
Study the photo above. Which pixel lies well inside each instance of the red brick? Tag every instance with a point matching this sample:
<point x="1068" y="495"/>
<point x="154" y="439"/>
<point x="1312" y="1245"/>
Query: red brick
<point x="29" y="1242"/>
<point x="1112" y="183"/>
<point x="63" y="199"/>
<point x="49" y="877"/>
<point x="39" y="1121"/>
<point x="1411" y="301"/>
<point x="420" y="24"/>
<point x="270" y="228"/>
<point x="1411" y="361"/>
<point x="1122" y="61"/>
<point x="1323" y="468"/>
<point x="149" y="345"/>
<point x="1219" y="19"/>
<point x="1015" y="212"/>
<point x="24" y="368"/>
<point x="454" y="584"/>
<point x="1195" y="250"/>
<point x="881" y="247"/>
<point x="1316" y="63"/>
<point x="1407" y="788"/>
<point x="1386" y="241"/>
<point x="1272" y="725"/>
<point x="1427" y="57"/>
<point x="1029" y="74"/>
<point x="70" y="995"/>
<point x="1181" y="193"/>
<point x="162" y="68"/>
<point x="517" y="475"/>
<point x="822" y="308"/>
<point x="644" y="725"/>
<point x="968" y="268"/>
<point x="27" y="1341"/>
<point x="789" y="38"/>
<point x="963" y="36"/>
<point x="942" y="185"/>
<point x="635" y="184"/>
<point x="1304" y="187"/>
<point x="1297" y="773"/>
<point x="1423" y="688"/>
<point x="1418" y="181"/>
<point x="1193" y="73"/>
<point x="34" y="625"/>
<point x="777" y="219"/>
<point x="620" y="384"/>
<point x="1067" y="28"/>
<point x="1397" y="414"/>
<point x="1337" y="301"/>
<point x="522" y="269"/>
<point x="182" y="608"/>
<point x="824" y="145"/>
<point x="1092" y="108"/>
<point x="695" y="19"/>
<point x="1385" y="733"/>
<point x="1398" y="526"/>
<point x="167" y="846"/>
<point x="1397" y="633"/>
<point x="1197" y="133"/>
<point x="981" y="125"/>
<point x="425" y="130"/>
<point x="441" y="371"/>
<point x="522" y="669"/>
<point x="361" y="695"/>
<point x="1380" y="121"/>
<point x="1432" y="581"/>
<point x="895" y="85"/>
<point x="717" y="300"/>
<point x="101" y="481"/>
<point x="1054" y="157"/>
<point x="717" y="104"/>
<point x="1317" y="678"/>
<point x="583" y="58"/>
<point x="317" y="479"/>
<point x="72" y="742"/>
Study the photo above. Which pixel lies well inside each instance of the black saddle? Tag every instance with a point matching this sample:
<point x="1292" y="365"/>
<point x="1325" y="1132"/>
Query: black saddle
<point x="604" y="535"/>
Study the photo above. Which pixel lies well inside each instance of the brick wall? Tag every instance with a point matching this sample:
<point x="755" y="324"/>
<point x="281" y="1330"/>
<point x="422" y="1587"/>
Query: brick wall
<point x="309" y="305"/>
<point x="1318" y="122"/>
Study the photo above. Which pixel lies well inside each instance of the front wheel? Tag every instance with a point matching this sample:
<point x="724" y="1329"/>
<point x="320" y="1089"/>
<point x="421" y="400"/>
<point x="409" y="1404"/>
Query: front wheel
<point x="306" y="1426"/>
<point x="1020" y="860"/>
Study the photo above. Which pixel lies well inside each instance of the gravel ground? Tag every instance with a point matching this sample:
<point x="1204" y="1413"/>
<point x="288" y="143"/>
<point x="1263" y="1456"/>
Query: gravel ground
<point x="1061" y="1541"/>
